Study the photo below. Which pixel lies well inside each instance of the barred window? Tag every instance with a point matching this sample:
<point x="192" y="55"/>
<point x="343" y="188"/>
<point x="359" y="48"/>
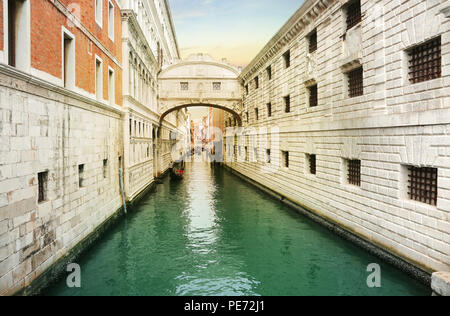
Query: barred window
<point x="313" y="42"/>
<point x="287" y="104"/>
<point x="105" y="167"/>
<point x="425" y="61"/>
<point x="312" y="164"/>
<point x="313" y="96"/>
<point x="256" y="82"/>
<point x="423" y="185"/>
<point x="248" y="118"/>
<point x="287" y="59"/>
<point x="285" y="156"/>
<point x="184" y="86"/>
<point x="269" y="72"/>
<point x="42" y="186"/>
<point x="217" y="86"/>
<point x="355" y="83"/>
<point x="354" y="172"/>
<point x="269" y="109"/>
<point x="353" y="14"/>
<point x="257" y="113"/>
<point x="246" y="89"/>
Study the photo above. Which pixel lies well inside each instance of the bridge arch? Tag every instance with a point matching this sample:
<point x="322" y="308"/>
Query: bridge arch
<point x="216" y="106"/>
<point x="200" y="81"/>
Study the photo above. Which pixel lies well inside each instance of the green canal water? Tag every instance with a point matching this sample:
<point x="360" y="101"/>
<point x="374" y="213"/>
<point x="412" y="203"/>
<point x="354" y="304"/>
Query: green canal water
<point x="213" y="234"/>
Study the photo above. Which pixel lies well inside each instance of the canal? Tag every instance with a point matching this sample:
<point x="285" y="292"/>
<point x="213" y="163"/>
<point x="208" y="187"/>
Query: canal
<point x="213" y="234"/>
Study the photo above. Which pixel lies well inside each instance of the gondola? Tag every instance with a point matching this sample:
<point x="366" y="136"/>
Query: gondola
<point x="177" y="171"/>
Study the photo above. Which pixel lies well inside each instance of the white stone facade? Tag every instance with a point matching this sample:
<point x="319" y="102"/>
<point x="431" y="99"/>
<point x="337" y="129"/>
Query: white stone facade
<point x="148" y="45"/>
<point x="394" y="124"/>
<point x="45" y="131"/>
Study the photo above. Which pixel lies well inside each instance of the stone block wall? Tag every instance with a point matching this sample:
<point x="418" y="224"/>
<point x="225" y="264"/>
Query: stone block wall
<point x="393" y="125"/>
<point x="45" y="131"/>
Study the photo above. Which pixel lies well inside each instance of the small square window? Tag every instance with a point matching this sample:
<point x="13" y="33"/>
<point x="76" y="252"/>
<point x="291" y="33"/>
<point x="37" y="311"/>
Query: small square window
<point x="42" y="186"/>
<point x="423" y="185"/>
<point x="184" y="86"/>
<point x="425" y="61"/>
<point x="287" y="104"/>
<point x="354" y="172"/>
<point x="313" y="96"/>
<point x="355" y="83"/>
<point x="313" y="42"/>
<point x="217" y="86"/>
<point x="354" y="15"/>
<point x="287" y="59"/>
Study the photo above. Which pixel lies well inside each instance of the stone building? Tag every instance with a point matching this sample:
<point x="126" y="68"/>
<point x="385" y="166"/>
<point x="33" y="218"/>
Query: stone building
<point x="347" y="114"/>
<point x="149" y="44"/>
<point x="71" y="82"/>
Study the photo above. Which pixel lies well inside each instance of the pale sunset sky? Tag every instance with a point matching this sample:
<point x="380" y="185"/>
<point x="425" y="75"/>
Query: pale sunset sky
<point x="232" y="29"/>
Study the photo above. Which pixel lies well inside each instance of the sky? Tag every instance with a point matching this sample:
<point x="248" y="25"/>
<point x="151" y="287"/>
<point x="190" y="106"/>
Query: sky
<point x="233" y="29"/>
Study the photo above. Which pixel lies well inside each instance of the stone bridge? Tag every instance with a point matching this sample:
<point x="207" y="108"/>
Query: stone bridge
<point x="200" y="81"/>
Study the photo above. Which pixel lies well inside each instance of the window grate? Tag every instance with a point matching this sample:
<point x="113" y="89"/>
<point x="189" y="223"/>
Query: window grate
<point x="184" y="86"/>
<point x="313" y="96"/>
<point x="355" y="83"/>
<point x="313" y="42"/>
<point x="286" y="158"/>
<point x="312" y="164"/>
<point x="287" y="104"/>
<point x="425" y="61"/>
<point x="354" y="172"/>
<point x="423" y="185"/>
<point x="353" y="14"/>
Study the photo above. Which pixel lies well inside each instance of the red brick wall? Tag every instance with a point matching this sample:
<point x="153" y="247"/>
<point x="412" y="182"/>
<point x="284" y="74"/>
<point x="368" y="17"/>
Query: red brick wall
<point x="46" y="43"/>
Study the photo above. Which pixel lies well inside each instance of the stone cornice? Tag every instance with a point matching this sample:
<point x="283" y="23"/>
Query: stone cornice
<point x="65" y="11"/>
<point x="21" y="81"/>
<point x="308" y="12"/>
<point x="169" y="14"/>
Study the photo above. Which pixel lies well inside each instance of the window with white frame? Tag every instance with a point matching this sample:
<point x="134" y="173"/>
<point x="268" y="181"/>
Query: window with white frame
<point x="111" y="20"/>
<point x="98" y="79"/>
<point x="68" y="61"/>
<point x="111" y="88"/>
<point x="99" y="12"/>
